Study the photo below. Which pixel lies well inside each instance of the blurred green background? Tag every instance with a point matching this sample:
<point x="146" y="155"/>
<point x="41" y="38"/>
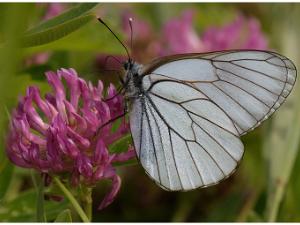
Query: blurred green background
<point x="266" y="186"/>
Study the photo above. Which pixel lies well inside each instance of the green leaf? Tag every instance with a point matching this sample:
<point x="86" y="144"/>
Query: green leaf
<point x="56" y="32"/>
<point x="90" y="38"/>
<point x="121" y="145"/>
<point x="64" y="216"/>
<point x="73" y="13"/>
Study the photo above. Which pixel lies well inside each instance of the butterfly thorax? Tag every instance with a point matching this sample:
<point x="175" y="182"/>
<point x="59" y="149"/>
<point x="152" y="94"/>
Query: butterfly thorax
<point x="133" y="79"/>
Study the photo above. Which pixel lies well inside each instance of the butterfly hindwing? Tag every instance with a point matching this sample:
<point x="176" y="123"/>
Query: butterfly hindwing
<point x="177" y="142"/>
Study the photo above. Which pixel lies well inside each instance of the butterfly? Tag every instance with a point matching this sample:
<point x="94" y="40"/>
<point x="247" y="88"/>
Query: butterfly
<point x="188" y="111"/>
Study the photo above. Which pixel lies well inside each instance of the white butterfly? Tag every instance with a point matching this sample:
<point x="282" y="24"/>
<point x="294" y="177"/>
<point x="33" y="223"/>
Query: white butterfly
<point x="188" y="111"/>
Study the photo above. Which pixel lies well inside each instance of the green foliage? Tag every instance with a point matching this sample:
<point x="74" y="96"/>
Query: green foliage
<point x="6" y="172"/>
<point x="23" y="208"/>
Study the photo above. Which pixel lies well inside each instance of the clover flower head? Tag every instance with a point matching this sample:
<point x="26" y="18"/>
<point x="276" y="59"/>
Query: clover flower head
<point x="242" y="33"/>
<point x="179" y="35"/>
<point x="67" y="133"/>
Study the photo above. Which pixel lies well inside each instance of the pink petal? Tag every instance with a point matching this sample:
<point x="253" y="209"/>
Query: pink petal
<point x="109" y="198"/>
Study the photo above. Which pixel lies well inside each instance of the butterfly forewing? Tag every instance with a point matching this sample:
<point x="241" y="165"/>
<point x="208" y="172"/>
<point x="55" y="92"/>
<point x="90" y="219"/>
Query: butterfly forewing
<point x="186" y="125"/>
<point x="248" y="85"/>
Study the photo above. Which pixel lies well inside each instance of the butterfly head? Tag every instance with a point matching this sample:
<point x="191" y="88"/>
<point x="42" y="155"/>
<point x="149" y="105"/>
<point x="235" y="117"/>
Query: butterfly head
<point x="128" y="65"/>
<point x="132" y="68"/>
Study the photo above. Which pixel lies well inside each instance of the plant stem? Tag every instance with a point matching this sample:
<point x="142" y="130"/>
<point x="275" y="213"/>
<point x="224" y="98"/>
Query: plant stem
<point x="41" y="217"/>
<point x="88" y="203"/>
<point x="38" y="183"/>
<point x="73" y="201"/>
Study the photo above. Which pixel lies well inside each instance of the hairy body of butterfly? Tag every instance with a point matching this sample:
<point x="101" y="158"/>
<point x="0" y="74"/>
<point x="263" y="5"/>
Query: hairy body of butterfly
<point x="188" y="111"/>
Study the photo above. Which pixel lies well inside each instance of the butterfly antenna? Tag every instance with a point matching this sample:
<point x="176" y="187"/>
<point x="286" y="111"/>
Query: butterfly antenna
<point x="101" y="21"/>
<point x="131" y="32"/>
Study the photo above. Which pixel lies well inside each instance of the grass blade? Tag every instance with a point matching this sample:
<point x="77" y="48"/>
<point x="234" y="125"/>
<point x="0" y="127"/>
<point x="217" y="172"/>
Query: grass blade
<point x="282" y="145"/>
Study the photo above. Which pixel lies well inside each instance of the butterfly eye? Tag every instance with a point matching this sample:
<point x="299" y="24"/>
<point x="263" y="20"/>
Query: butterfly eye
<point x="126" y="66"/>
